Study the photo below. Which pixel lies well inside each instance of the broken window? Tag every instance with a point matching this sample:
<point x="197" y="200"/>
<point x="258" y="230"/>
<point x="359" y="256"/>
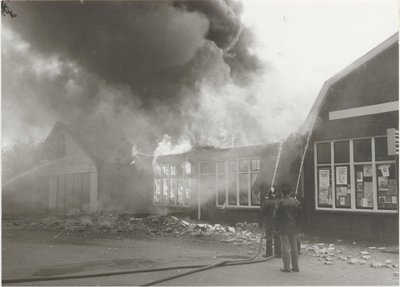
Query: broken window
<point x="172" y="185"/>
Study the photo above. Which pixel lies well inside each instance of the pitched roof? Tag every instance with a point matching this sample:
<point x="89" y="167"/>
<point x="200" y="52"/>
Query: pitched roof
<point x="100" y="147"/>
<point x="308" y="123"/>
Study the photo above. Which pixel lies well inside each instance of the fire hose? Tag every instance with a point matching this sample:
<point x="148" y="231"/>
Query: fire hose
<point x="199" y="268"/>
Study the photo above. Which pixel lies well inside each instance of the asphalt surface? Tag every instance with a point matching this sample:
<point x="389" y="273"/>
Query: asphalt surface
<point x="33" y="253"/>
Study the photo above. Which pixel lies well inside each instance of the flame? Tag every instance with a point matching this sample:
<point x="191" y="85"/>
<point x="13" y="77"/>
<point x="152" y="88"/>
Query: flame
<point x="166" y="147"/>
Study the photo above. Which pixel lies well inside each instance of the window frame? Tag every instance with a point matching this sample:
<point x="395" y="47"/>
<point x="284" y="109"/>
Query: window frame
<point x="352" y="176"/>
<point x="169" y="176"/>
<point x="237" y="172"/>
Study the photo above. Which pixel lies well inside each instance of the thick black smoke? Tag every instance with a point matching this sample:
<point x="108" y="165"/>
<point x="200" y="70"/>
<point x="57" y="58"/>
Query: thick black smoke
<point x="134" y="66"/>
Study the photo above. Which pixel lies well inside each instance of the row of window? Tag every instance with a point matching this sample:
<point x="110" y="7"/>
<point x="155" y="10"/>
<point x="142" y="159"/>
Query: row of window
<point x="356" y="175"/>
<point x="234" y="179"/>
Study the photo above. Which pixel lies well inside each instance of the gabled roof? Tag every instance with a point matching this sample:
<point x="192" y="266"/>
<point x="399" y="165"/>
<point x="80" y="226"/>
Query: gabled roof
<point x="308" y="123"/>
<point x="69" y="130"/>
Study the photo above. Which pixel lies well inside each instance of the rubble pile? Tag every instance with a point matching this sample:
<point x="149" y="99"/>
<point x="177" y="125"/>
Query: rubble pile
<point x="166" y="225"/>
<point x="326" y="255"/>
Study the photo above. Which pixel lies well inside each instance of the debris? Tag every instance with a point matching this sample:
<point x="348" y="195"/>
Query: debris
<point x="192" y="227"/>
<point x="372" y="247"/>
<point x="376" y="265"/>
<point x="366" y="257"/>
<point x="353" y="261"/>
<point x="364" y="252"/>
<point x="396" y="273"/>
<point x="328" y="263"/>
<point x="363" y="262"/>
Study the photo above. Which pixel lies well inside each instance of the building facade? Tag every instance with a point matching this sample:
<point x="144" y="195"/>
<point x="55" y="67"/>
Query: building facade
<point x="351" y="168"/>
<point x="81" y="174"/>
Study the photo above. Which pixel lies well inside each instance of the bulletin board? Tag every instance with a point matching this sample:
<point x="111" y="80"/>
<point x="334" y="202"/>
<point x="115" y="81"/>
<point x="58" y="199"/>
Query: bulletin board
<point x="324" y="187"/>
<point x="342" y="186"/>
<point x="364" y="188"/>
<point x="387" y="186"/>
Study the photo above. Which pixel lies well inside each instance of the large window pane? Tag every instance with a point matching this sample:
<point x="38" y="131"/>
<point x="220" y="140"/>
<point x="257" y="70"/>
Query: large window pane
<point x="172" y="195"/>
<point x="362" y="150"/>
<point x="324" y="153"/>
<point x="255" y="198"/>
<point x="244" y="188"/>
<point x="179" y="170"/>
<point x="342" y="187"/>
<point x="165" y="191"/>
<point x="387" y="186"/>
<point x="381" y="150"/>
<point x="324" y="187"/>
<point x="188" y="168"/>
<point x="243" y="165"/>
<point x="255" y="164"/>
<point x="232" y="189"/>
<point x="364" y="187"/>
<point x="180" y="191"/>
<point x="188" y="193"/>
<point x="342" y="152"/>
<point x="221" y="189"/>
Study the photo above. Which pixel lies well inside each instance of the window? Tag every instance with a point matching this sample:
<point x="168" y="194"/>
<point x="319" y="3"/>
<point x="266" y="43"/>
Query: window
<point x="356" y="175"/>
<point x="172" y="184"/>
<point x="324" y="153"/>
<point x="234" y="181"/>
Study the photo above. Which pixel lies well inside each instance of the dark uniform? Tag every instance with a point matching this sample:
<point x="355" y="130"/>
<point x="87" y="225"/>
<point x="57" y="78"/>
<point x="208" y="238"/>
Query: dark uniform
<point x="286" y="222"/>
<point x="267" y="209"/>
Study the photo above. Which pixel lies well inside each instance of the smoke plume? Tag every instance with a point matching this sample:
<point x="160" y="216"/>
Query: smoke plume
<point x="137" y="69"/>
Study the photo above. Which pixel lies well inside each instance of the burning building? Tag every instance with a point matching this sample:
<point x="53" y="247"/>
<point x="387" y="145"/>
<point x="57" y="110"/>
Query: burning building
<point x="351" y="167"/>
<point x="83" y="174"/>
<point x="223" y="185"/>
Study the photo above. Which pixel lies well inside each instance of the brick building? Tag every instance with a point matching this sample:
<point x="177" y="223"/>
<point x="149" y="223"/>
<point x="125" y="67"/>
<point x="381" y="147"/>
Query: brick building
<point x="350" y="169"/>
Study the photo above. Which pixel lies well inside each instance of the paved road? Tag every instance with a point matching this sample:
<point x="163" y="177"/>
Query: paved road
<point x="44" y="255"/>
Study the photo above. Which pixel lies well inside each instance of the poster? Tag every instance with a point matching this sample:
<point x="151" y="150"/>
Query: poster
<point x="383" y="183"/>
<point x="360" y="187"/>
<point x="368" y="189"/>
<point x="324" y="177"/>
<point x="392" y="187"/>
<point x="364" y="202"/>
<point x="384" y="168"/>
<point x="342" y="200"/>
<point x="359" y="176"/>
<point x="367" y="170"/>
<point x="341" y="175"/>
<point x="394" y="199"/>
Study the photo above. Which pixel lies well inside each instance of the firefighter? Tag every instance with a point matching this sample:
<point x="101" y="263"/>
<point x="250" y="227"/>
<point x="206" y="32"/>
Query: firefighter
<point x="267" y="209"/>
<point x="287" y="216"/>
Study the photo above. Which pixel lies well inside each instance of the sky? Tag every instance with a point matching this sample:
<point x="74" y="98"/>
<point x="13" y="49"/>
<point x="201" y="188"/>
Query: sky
<point x="192" y="73"/>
